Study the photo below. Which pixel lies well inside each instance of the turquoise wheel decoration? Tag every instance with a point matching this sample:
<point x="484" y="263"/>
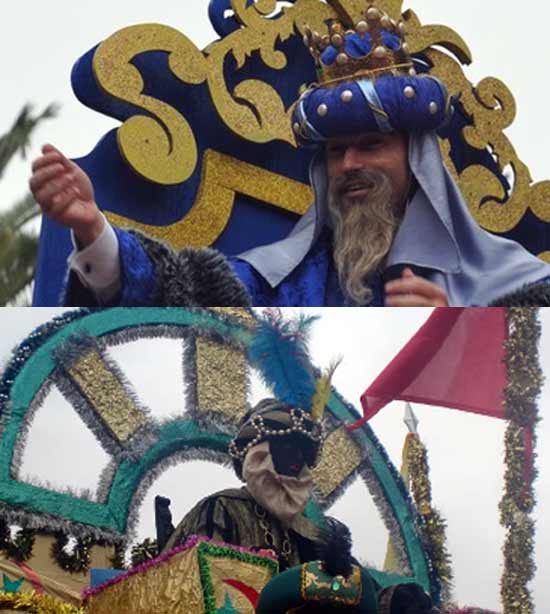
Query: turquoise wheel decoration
<point x="69" y="352"/>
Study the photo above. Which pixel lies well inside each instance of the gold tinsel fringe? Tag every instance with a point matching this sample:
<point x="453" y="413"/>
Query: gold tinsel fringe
<point x="433" y="526"/>
<point x="524" y="384"/>
<point x="390" y="562"/>
<point x="36" y="604"/>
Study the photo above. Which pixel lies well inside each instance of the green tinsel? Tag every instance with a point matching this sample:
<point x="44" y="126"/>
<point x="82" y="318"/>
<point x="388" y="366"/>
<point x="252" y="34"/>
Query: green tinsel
<point x="525" y="380"/>
<point x="206" y="548"/>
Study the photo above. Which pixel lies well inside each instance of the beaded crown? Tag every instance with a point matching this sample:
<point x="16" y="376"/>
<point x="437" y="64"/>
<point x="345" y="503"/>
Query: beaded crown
<point x="371" y="47"/>
<point x="274" y="419"/>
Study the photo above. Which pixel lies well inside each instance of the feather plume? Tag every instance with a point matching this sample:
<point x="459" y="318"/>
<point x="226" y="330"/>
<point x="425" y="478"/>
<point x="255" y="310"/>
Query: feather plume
<point x="334" y="548"/>
<point x="279" y="351"/>
<point x="322" y="391"/>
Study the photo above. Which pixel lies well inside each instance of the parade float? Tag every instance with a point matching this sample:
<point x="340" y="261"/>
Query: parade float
<point x="51" y="539"/>
<point x="206" y="153"/>
<point x="206" y="136"/>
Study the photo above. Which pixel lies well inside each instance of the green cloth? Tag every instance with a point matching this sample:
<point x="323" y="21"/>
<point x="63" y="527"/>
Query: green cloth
<point x="308" y="588"/>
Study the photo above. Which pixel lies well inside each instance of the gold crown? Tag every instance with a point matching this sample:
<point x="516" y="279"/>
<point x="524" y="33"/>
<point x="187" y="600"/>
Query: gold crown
<point x="379" y="60"/>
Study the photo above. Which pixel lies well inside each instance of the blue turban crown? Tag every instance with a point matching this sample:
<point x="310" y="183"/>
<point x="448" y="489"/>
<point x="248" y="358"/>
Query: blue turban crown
<point x="367" y="83"/>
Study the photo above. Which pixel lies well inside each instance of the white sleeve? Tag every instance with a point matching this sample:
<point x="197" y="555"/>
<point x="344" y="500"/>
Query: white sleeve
<point x="98" y="265"/>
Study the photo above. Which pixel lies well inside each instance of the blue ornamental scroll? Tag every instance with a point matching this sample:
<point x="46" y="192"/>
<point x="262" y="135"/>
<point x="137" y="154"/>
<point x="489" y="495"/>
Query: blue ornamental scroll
<point x="206" y="155"/>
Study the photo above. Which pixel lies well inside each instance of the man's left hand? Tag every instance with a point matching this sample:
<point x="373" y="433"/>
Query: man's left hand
<point x="414" y="291"/>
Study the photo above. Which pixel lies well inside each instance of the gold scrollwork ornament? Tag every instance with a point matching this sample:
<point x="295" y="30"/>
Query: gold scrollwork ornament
<point x="492" y="109"/>
<point x="161" y="145"/>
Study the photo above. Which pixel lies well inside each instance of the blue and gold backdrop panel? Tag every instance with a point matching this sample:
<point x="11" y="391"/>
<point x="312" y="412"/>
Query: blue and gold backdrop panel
<point x="70" y="353"/>
<point x="205" y="154"/>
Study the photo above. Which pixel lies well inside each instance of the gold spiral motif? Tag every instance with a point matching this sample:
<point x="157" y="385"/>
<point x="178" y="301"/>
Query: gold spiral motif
<point x="161" y="147"/>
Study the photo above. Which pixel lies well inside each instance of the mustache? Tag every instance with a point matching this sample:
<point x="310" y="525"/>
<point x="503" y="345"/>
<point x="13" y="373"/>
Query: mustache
<point x="372" y="180"/>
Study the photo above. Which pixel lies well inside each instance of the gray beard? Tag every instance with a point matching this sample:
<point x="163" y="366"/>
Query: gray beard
<point x="364" y="230"/>
<point x="282" y="496"/>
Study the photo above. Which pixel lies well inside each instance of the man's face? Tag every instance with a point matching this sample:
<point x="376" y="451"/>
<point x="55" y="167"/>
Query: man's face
<point x="290" y="453"/>
<point x="373" y="152"/>
<point x="368" y="177"/>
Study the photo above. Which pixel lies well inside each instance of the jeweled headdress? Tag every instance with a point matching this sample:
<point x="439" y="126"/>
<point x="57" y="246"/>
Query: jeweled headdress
<point x="369" y="48"/>
<point x="272" y="418"/>
<point x="367" y="82"/>
<point x="280" y="348"/>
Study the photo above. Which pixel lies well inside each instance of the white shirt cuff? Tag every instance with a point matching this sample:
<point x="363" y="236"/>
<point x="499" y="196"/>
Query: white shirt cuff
<point x="98" y="265"/>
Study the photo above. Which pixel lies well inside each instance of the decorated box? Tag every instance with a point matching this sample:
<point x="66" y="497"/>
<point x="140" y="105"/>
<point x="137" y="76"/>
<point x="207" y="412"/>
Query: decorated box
<point x="200" y="577"/>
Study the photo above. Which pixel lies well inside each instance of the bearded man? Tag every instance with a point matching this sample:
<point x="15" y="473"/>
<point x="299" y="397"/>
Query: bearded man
<point x="388" y="226"/>
<point x="273" y="453"/>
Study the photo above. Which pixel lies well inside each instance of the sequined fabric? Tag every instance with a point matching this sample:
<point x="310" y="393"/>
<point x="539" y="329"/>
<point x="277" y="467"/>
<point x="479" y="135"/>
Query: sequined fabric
<point x="231" y="516"/>
<point x="150" y="272"/>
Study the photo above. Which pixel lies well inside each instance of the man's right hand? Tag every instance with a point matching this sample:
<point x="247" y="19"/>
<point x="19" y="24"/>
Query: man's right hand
<point x="66" y="195"/>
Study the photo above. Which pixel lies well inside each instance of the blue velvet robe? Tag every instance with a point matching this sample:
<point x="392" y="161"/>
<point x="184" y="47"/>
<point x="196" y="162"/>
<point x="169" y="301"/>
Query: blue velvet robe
<point x="313" y="283"/>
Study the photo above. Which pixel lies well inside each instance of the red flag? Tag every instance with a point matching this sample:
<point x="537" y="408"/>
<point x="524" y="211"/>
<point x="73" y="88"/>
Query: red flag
<point x="455" y="360"/>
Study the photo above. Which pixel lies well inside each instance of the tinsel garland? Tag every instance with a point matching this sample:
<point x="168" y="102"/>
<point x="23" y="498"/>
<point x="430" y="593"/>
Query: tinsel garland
<point x="378" y="492"/>
<point x="432" y="524"/>
<point x="26" y="349"/>
<point x="525" y="380"/>
<point x="147" y="550"/>
<point x="36" y="604"/>
<point x="218" y="550"/>
<point x="76" y="561"/>
<point x="243" y="554"/>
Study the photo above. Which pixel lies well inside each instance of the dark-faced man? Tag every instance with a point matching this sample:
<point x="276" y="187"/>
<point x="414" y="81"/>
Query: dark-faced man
<point x="273" y="453"/>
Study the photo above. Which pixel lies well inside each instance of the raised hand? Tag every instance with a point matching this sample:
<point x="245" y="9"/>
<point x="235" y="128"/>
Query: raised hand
<point x="65" y="194"/>
<point x="414" y="291"/>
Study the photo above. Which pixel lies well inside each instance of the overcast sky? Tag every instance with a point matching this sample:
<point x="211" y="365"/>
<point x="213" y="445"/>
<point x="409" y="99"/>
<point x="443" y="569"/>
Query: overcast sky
<point x="41" y="41"/>
<point x="465" y="450"/>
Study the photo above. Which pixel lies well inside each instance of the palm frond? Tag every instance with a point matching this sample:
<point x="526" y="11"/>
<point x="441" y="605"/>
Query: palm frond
<point x="21" y="213"/>
<point x="17" y="263"/>
<point x="18" y="244"/>
<point x="18" y="137"/>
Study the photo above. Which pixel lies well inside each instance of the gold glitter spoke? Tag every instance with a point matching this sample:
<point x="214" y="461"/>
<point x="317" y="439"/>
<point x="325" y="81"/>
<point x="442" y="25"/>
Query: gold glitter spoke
<point x="340" y="458"/>
<point x="221" y="379"/>
<point x="107" y="396"/>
